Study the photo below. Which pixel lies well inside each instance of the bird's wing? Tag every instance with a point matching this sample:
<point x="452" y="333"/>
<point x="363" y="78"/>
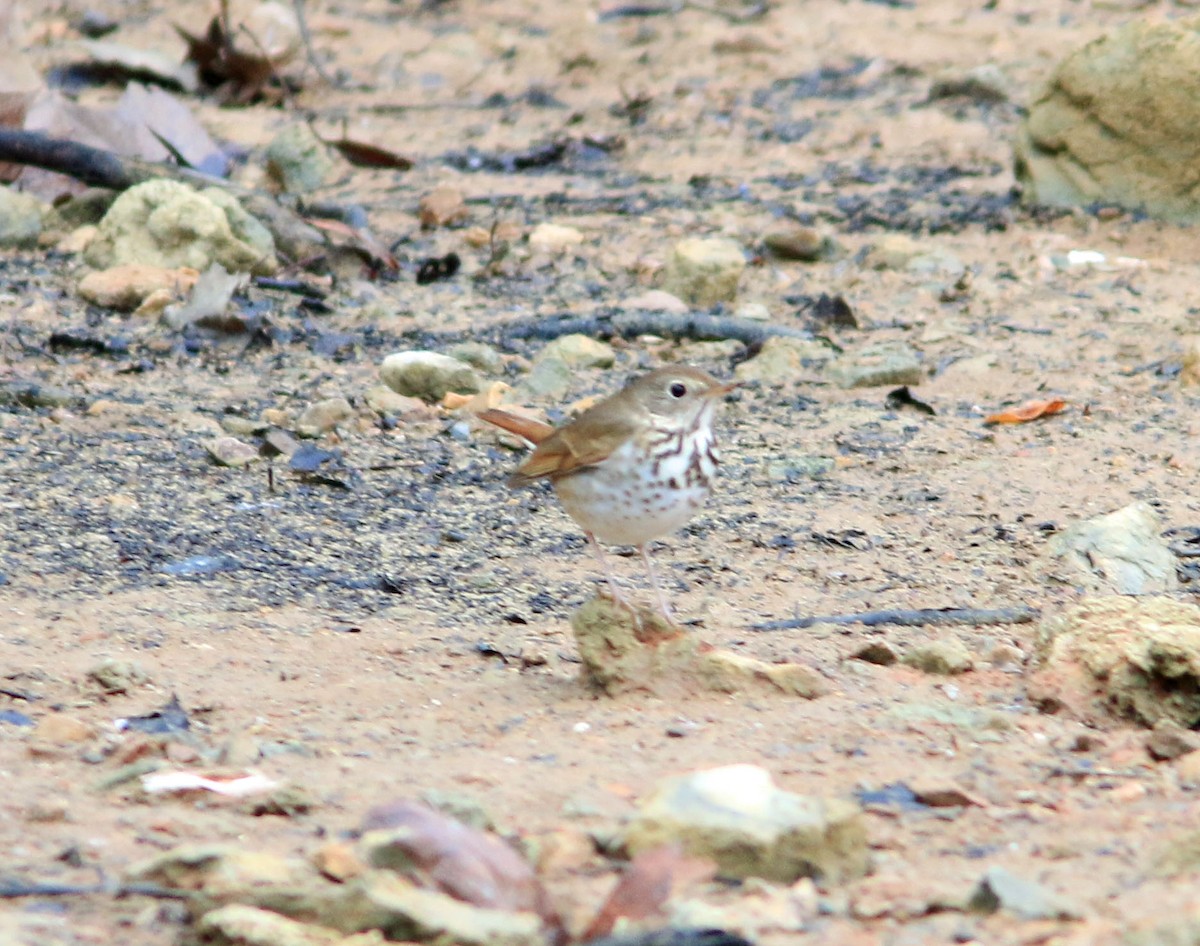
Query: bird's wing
<point x="586" y="441"/>
<point x="535" y="431"/>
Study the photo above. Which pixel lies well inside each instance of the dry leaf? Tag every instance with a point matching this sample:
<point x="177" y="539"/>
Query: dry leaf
<point x="1031" y="410"/>
<point x="647" y="885"/>
<point x="364" y="155"/>
<point x="434" y="850"/>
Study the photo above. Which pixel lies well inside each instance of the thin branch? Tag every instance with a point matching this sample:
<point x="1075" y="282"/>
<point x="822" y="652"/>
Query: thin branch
<point x="921" y="617"/>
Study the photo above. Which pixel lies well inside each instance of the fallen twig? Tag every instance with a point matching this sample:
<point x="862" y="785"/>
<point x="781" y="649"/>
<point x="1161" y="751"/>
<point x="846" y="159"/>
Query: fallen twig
<point x="14" y="889"/>
<point x="99" y="168"/>
<point x="668" y="324"/>
<point x="920" y="617"/>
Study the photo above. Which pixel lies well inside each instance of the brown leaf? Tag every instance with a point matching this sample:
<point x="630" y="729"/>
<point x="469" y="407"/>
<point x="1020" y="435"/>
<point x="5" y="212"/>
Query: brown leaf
<point x="647" y="885"/>
<point x="434" y="850"/>
<point x="359" y="239"/>
<point x="1031" y="410"/>
<point x="363" y="155"/>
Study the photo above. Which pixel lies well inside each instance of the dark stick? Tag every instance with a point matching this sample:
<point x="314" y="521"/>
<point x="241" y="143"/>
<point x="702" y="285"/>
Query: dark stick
<point x="920" y="617"/>
<point x="18" y="695"/>
<point x="668" y="324"/>
<point x="13" y="890"/>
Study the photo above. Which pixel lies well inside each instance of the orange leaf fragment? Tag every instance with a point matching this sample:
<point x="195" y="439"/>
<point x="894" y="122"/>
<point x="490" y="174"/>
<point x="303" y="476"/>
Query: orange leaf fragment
<point x="647" y="885"/>
<point x="1030" y="410"/>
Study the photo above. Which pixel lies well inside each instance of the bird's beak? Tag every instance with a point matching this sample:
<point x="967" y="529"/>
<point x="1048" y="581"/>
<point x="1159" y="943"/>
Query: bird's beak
<point x="722" y="389"/>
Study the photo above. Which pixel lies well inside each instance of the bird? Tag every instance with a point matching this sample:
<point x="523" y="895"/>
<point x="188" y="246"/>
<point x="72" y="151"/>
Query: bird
<point x="634" y="467"/>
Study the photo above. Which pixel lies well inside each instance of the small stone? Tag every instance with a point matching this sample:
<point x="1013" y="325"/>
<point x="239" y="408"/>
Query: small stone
<point x="739" y="818"/>
<point x="876" y="366"/>
<point x="578" y="351"/>
<point x="754" y="311"/>
<point x="169" y="224"/>
<point x="297" y="160"/>
<point x="428" y="375"/>
<point x="1122" y="553"/>
<point x="77" y="240"/>
<point x="945" y="656"/>
<point x="21" y="217"/>
<point x="781" y="360"/>
<point x="1001" y="890"/>
<point x="47" y="810"/>
<point x="876" y="652"/>
<point x="549" y="379"/>
<point x="238" y="924"/>
<point x="657" y="300"/>
<point x="986" y="84"/>
<point x="281" y="443"/>
<point x="1188" y="770"/>
<point x="324" y="416"/>
<point x="704" y="272"/>
<point x="938" y="794"/>
<point x="125" y="287"/>
<point x="383" y="400"/>
<point x="442" y="207"/>
<point x="796" y="242"/>
<point x="892" y="251"/>
<point x="1189" y="373"/>
<point x="1169" y="741"/>
<point x="553" y="238"/>
<point x="231" y="452"/>
<point x="241" y="426"/>
<point x="478" y="355"/>
<point x="338" y="861"/>
<point x="62" y="730"/>
<point x="117" y="676"/>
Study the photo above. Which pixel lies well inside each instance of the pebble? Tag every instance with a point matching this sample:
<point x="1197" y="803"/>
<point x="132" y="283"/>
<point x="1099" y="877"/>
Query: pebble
<point x="554" y="238"/>
<point x="754" y="311"/>
<point x="657" y="300"/>
<point x="478" y="355"/>
<point x="1121" y="553"/>
<point x="892" y="251"/>
<point x="887" y="363"/>
<point x="324" y="416"/>
<point x="1001" y="890"/>
<point x="1169" y="741"/>
<point x="945" y="656"/>
<point x="782" y="359"/>
<point x="737" y="816"/>
<point x="442" y="207"/>
<point x="231" y="452"/>
<point x="578" y="351"/>
<point x="793" y="241"/>
<point x="383" y="400"/>
<point x="297" y="160"/>
<point x="117" y="676"/>
<point x="704" y="272"/>
<point x="127" y="286"/>
<point x="62" y="730"/>
<point x="21" y="217"/>
<point x="428" y="375"/>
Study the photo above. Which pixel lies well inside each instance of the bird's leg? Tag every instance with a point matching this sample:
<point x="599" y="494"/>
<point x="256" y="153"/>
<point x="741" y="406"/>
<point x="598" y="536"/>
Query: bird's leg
<point x="613" y="588"/>
<point x="663" y="604"/>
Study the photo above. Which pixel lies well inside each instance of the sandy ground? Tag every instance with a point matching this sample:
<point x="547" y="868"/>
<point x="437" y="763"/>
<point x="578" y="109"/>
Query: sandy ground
<point x="341" y="632"/>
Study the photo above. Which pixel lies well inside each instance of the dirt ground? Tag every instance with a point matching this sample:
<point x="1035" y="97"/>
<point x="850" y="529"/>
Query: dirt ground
<point x="338" y="628"/>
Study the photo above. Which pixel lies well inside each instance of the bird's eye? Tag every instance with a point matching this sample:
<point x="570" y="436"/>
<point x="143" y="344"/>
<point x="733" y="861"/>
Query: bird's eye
<point x="678" y="389"/>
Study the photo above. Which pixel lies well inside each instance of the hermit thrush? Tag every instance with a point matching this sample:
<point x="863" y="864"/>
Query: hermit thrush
<point x="632" y="468"/>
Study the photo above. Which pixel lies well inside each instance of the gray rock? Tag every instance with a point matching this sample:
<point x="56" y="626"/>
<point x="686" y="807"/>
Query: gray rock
<point x="578" y="351"/>
<point x="323" y="416"/>
<point x="1137" y="658"/>
<point x="241" y="925"/>
<point x="549" y="379"/>
<point x="297" y="160"/>
<point x="704" y="272"/>
<point x="229" y="451"/>
<point x="739" y="818"/>
<point x="1122" y="553"/>
<point x="1001" y="890"/>
<point x="945" y="656"/>
<point x="385" y="901"/>
<point x="117" y="676"/>
<point x="782" y="359"/>
<point x="428" y="375"/>
<point x="21" y="219"/>
<point x="478" y="355"/>
<point x="30" y="394"/>
<point x="878" y="365"/>
<point x="166" y="223"/>
<point x="1169" y="741"/>
<point x="1119" y="123"/>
